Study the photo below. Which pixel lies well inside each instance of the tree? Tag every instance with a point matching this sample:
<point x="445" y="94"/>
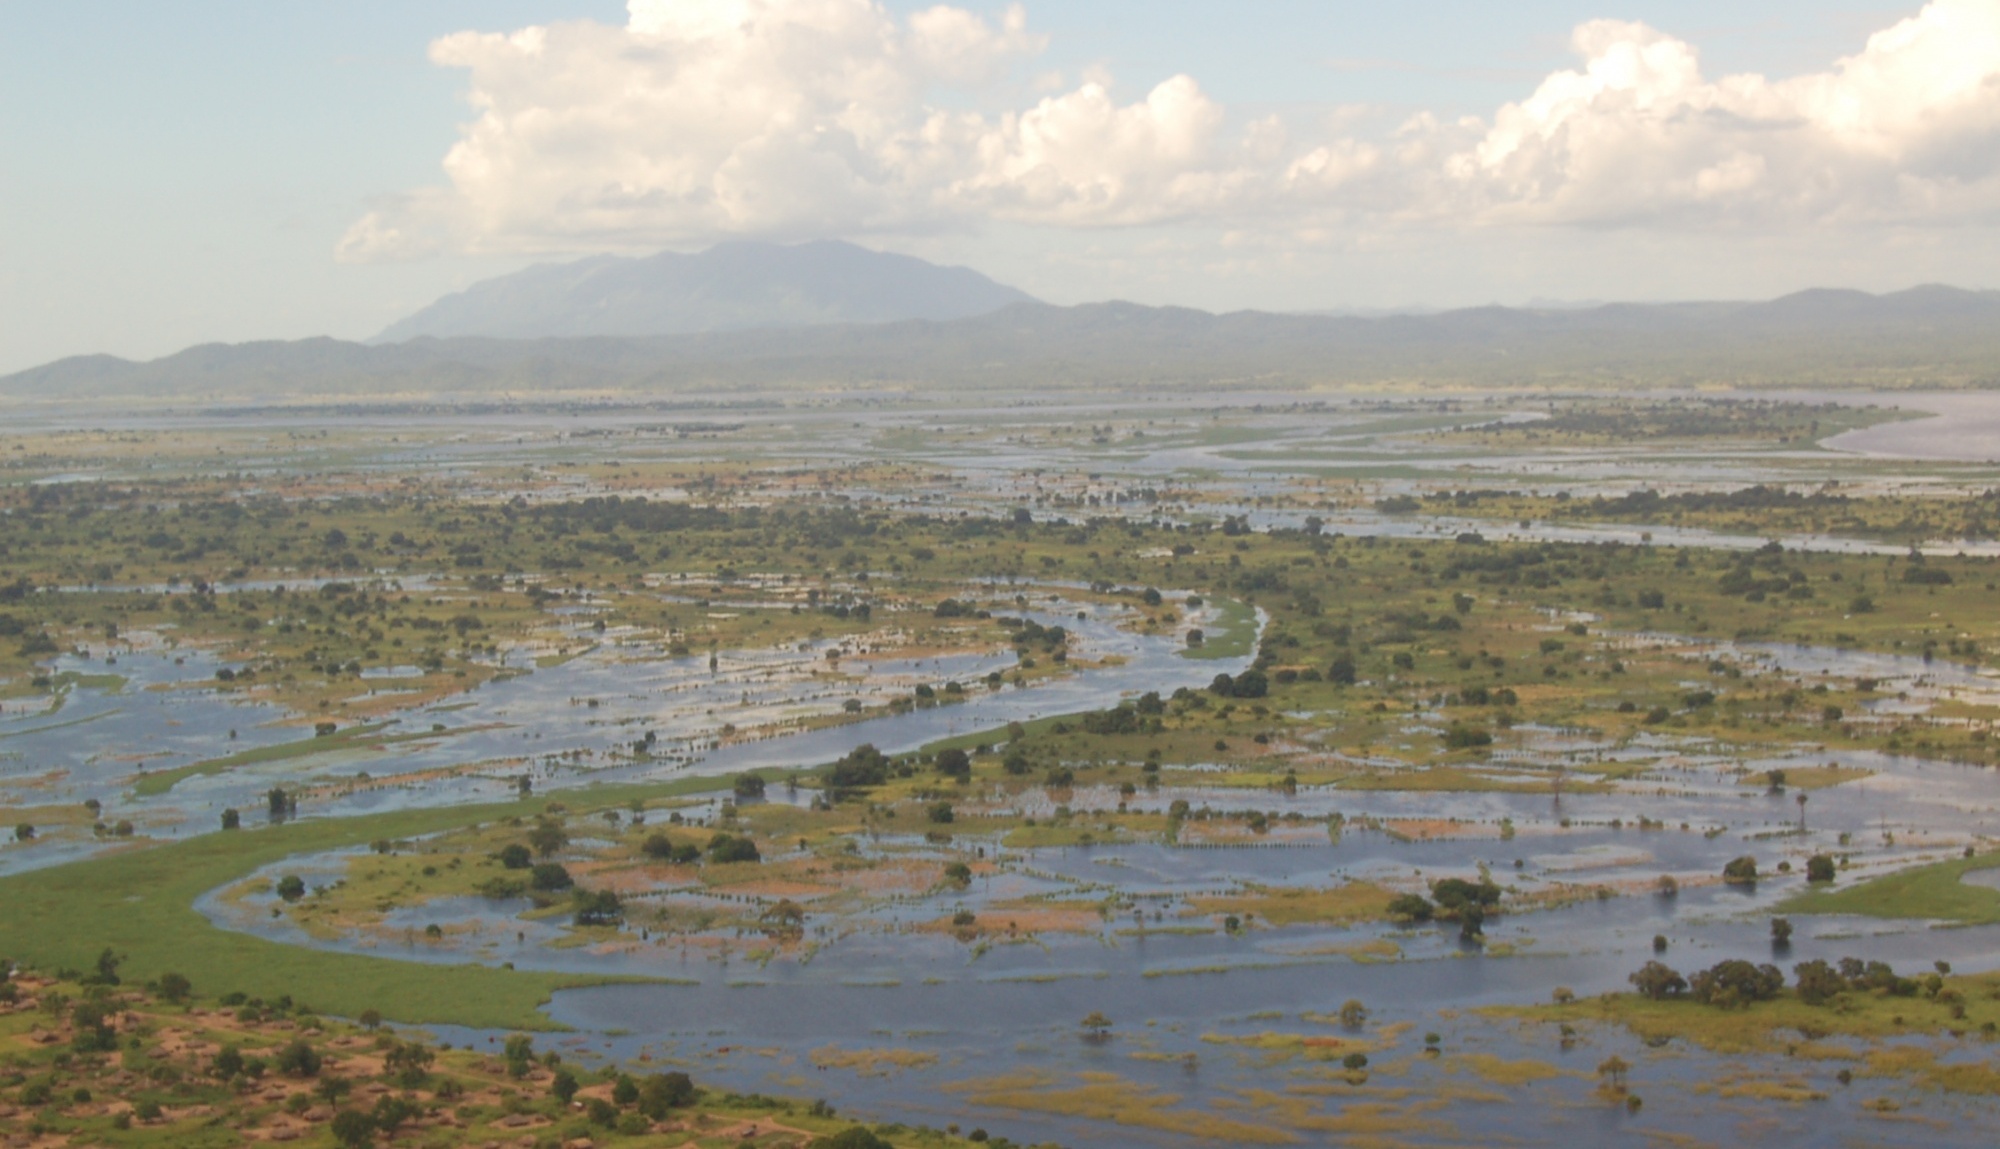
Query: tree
<point x="1819" y="868"/>
<point x="1781" y="931"/>
<point x="1460" y="736"/>
<point x="1741" y="872"/>
<point x="24" y="832"/>
<point x="954" y="763"/>
<point x="1455" y="895"/>
<point x="370" y="1019"/>
<point x="564" y="1086"/>
<point x="519" y="1050"/>
<point x="408" y="1063"/>
<point x="548" y="837"/>
<point x="1736" y="983"/>
<point x="749" y="786"/>
<point x="598" y="908"/>
<point x="787" y="918"/>
<point x="1353" y="1014"/>
<point x="940" y="813"/>
<point x="550" y="876"/>
<point x="231" y="820"/>
<point x="353" y="1128"/>
<point x="228" y="1063"/>
<point x="1412" y="908"/>
<point x="860" y="768"/>
<point x="174" y="987"/>
<point x="291" y="887"/>
<point x="626" y="1091"/>
<point x="515" y="856"/>
<point x="391" y="1112"/>
<point x="1658" y="981"/>
<point x="108" y="962"/>
<point x="1818" y="983"/>
<point x="958" y="874"/>
<point x="728" y="848"/>
<point x="1613" y="1070"/>
<point x="298" y="1059"/>
<point x="1342" y="672"/>
<point x="858" y="1136"/>
<point x="1096" y="1026"/>
<point x="1354" y="1062"/>
<point x="662" y="1092"/>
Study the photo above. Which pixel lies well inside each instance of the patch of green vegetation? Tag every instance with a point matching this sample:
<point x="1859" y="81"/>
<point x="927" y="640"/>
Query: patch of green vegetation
<point x="1936" y="892"/>
<point x="141" y="904"/>
<point x="1235" y="634"/>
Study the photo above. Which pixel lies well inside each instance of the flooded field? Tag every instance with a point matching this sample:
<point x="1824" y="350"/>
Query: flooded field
<point x="1263" y="773"/>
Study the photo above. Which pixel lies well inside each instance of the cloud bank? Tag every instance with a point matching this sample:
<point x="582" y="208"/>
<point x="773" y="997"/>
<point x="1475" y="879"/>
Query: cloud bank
<point x="700" y="120"/>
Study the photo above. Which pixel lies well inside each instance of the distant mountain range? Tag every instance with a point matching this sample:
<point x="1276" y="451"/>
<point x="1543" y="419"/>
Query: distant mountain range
<point x="1923" y="337"/>
<point x="730" y="287"/>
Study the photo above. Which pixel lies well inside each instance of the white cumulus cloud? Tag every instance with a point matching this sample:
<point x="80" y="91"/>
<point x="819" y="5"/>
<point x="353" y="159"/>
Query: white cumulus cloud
<point x="704" y="119"/>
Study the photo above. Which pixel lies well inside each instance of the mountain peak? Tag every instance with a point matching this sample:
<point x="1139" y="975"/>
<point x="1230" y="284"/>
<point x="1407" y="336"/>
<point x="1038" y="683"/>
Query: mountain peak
<point x="733" y="286"/>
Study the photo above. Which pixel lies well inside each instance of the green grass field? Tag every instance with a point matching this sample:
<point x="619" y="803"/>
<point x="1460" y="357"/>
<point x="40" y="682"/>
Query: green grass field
<point x="140" y="903"/>
<point x="1931" y="892"/>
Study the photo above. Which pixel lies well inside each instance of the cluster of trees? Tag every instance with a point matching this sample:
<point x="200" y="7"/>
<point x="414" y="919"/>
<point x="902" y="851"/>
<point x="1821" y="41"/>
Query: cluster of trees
<point x="1467" y="903"/>
<point x="1735" y="983"/>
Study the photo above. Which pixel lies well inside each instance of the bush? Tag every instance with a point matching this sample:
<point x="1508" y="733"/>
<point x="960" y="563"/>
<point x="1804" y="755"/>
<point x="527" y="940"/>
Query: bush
<point x="515" y="856"/>
<point x="1742" y="871"/>
<point x="852" y="1137"/>
<point x="291" y="887"/>
<point x="1819" y="868"/>
<point x="749" y="786"/>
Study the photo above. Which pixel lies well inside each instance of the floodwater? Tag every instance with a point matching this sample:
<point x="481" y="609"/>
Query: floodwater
<point x="571" y="724"/>
<point x="1186" y="995"/>
<point x="1182" y="995"/>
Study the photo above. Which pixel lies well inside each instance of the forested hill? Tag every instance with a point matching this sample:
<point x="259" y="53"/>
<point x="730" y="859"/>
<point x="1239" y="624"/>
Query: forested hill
<point x="1924" y="337"/>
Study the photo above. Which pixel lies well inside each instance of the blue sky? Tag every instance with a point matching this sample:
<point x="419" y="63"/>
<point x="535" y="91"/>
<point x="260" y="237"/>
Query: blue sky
<point x="183" y="173"/>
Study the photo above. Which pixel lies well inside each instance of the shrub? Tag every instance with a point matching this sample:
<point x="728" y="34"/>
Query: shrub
<point x="1819" y="868"/>
<point x="1742" y="871"/>
<point x="515" y="856"/>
